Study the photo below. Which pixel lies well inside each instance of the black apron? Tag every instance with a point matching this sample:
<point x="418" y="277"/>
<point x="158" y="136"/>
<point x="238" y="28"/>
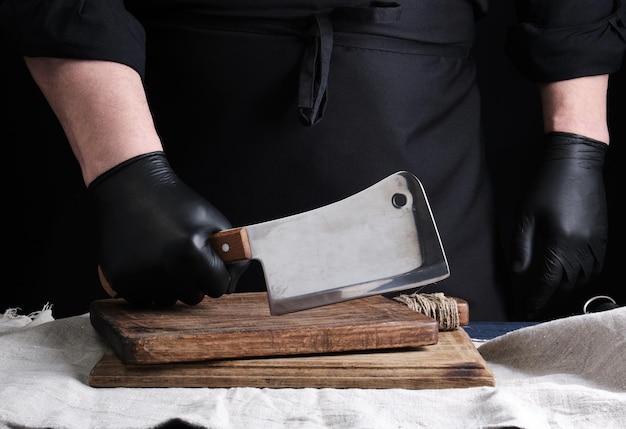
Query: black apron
<point x="273" y="109"/>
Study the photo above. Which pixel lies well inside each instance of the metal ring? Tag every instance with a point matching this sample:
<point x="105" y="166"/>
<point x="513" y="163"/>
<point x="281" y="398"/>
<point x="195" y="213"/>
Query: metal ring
<point x="595" y="298"/>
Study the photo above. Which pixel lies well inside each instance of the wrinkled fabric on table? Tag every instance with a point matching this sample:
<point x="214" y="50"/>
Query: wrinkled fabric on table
<point x="567" y="373"/>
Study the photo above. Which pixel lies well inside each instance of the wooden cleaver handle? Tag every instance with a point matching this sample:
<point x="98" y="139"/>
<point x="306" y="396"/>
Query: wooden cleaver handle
<point x="232" y="245"/>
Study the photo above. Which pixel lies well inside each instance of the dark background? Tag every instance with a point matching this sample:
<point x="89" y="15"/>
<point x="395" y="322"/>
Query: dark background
<point x="45" y="232"/>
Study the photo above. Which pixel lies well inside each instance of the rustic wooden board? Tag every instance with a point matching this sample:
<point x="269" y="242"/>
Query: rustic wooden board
<point x="240" y="325"/>
<point x="453" y="362"/>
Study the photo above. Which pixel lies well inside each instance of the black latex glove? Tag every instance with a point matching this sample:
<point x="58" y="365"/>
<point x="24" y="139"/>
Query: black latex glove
<point x="152" y="231"/>
<point x="563" y="223"/>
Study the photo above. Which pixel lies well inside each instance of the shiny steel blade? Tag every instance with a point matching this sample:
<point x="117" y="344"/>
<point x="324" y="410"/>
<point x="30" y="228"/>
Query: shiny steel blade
<point x="382" y="239"/>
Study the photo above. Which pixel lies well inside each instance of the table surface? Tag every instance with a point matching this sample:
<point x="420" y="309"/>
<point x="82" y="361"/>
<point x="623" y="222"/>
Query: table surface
<point x="491" y="330"/>
<point x="558" y="374"/>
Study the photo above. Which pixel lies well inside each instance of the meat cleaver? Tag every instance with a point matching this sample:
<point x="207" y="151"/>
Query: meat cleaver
<point x="380" y="240"/>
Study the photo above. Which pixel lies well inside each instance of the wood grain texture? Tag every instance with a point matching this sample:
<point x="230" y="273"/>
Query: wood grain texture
<point x="240" y="326"/>
<point x="453" y="362"/>
<point x="231" y="245"/>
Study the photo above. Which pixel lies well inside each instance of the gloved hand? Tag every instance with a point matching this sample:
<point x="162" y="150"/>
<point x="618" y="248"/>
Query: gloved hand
<point x="152" y="231"/>
<point x="563" y="223"/>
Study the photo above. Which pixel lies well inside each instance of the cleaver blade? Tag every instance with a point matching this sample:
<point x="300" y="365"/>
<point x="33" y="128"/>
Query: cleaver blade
<point x="382" y="239"/>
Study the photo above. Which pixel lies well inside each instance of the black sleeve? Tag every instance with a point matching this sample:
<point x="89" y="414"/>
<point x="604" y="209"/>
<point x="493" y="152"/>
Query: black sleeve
<point x="564" y="39"/>
<point x="84" y="29"/>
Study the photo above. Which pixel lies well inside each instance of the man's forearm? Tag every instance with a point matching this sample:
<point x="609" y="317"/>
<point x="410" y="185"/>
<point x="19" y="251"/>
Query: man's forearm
<point x="102" y="108"/>
<point x="577" y="106"/>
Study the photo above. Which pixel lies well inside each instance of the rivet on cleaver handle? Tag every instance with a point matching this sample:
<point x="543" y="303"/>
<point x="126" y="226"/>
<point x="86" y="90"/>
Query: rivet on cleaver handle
<point x="382" y="239"/>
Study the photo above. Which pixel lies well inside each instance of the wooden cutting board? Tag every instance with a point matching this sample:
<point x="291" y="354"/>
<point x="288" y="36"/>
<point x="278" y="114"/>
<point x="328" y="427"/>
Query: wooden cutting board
<point x="453" y="362"/>
<point x="240" y="326"/>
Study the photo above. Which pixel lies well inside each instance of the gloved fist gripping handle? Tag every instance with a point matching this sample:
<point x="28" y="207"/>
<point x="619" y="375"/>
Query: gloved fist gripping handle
<point x="566" y="212"/>
<point x="152" y="231"/>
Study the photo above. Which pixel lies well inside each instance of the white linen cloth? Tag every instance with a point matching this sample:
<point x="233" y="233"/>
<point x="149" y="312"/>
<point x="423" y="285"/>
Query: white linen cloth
<point x="568" y="373"/>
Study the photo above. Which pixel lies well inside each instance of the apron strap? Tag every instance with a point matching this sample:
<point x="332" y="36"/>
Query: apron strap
<point x="315" y="65"/>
